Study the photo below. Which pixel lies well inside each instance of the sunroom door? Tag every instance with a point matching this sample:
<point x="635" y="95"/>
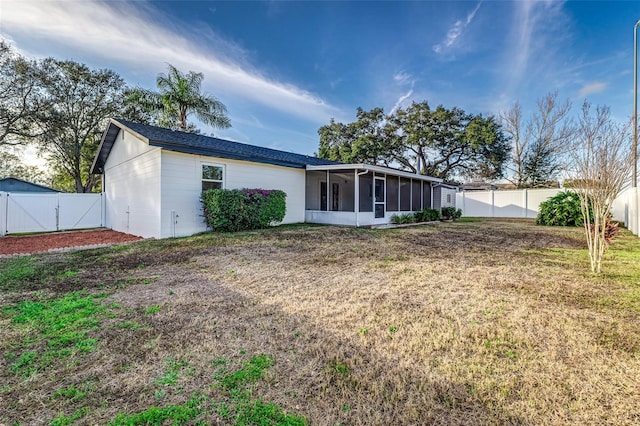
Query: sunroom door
<point x="379" y="199"/>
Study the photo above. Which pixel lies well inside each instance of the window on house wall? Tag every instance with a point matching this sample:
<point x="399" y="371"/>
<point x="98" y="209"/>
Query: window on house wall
<point x="448" y="198"/>
<point x="212" y="177"/>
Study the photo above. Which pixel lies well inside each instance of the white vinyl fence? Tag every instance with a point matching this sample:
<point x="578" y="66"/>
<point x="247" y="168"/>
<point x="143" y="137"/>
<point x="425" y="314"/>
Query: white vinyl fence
<point x="44" y="212"/>
<point x="626" y="208"/>
<point x="512" y="203"/>
<point x="526" y="203"/>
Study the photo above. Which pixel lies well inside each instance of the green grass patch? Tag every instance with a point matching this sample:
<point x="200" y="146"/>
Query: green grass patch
<point x="469" y="219"/>
<point x="13" y="271"/>
<point x="238" y="407"/>
<point x="257" y="412"/>
<point x="63" y="420"/>
<point x="152" y="310"/>
<point x="186" y="413"/>
<point x="74" y="392"/>
<point x="128" y="325"/>
<point x="54" y="329"/>
<point x="250" y="372"/>
<point x="37" y="271"/>
<point x="174" y="368"/>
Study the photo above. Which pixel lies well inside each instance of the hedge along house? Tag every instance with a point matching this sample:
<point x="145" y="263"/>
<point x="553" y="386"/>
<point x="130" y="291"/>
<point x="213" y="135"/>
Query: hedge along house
<point x="153" y="178"/>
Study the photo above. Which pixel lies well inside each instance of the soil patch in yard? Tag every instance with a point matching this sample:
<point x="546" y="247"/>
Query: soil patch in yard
<point x="45" y="242"/>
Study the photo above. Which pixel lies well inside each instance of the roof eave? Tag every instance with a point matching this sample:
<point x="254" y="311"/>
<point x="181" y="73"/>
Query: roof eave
<point x="372" y="168"/>
<point x="106" y="144"/>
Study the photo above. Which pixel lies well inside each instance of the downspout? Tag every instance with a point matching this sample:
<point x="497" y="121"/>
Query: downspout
<point x="356" y="192"/>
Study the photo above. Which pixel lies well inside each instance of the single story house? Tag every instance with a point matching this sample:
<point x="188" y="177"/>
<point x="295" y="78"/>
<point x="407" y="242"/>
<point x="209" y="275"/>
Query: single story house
<point x="11" y="184"/>
<point x="153" y="177"/>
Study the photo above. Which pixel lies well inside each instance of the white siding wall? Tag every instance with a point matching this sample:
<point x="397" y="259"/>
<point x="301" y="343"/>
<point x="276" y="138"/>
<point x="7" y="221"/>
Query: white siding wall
<point x="448" y="197"/>
<point x="182" y="185"/>
<point x="132" y="187"/>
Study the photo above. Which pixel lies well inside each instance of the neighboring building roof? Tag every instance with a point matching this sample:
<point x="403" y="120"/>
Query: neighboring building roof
<point x="478" y="186"/>
<point x="12" y="184"/>
<point x="449" y="185"/>
<point x="192" y="143"/>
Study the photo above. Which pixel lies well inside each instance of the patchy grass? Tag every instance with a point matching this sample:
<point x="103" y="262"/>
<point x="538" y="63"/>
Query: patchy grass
<point x="53" y="331"/>
<point x="471" y="322"/>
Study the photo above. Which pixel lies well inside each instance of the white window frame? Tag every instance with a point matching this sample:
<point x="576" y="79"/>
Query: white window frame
<point x="224" y="174"/>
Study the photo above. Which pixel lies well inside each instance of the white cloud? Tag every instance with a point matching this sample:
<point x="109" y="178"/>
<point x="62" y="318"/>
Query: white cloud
<point x="591" y="88"/>
<point x="400" y="100"/>
<point x="538" y="31"/>
<point x="455" y="32"/>
<point x="402" y="77"/>
<point x="138" y="37"/>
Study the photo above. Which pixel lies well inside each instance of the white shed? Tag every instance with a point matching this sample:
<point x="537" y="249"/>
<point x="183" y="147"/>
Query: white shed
<point x="444" y="195"/>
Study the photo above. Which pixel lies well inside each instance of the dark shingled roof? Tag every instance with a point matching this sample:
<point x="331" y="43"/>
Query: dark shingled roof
<point x="201" y="145"/>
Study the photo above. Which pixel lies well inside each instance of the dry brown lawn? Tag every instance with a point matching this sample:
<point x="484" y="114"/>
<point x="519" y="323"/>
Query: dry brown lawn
<point x="485" y="322"/>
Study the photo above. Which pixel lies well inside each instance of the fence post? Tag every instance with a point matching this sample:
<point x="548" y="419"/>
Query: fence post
<point x="57" y="208"/>
<point x="3" y="214"/>
<point x="634" y="211"/>
<point x="464" y="201"/>
<point x="103" y="210"/>
<point x="493" y="203"/>
<point x="526" y="203"/>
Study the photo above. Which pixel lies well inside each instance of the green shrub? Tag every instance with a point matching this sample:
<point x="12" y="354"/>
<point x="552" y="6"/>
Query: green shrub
<point x="451" y="213"/>
<point x="271" y="206"/>
<point x="561" y="210"/>
<point x="229" y="210"/>
<point x="400" y="219"/>
<point x="427" y="215"/>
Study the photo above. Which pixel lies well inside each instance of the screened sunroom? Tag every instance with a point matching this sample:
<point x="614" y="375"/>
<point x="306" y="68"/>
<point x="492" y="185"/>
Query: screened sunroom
<point x="364" y="195"/>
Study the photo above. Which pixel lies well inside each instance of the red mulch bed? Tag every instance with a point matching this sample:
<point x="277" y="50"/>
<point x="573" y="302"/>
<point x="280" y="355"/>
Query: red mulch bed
<point x="44" y="242"/>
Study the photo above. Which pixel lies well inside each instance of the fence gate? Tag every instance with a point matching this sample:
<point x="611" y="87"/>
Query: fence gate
<point x="27" y="212"/>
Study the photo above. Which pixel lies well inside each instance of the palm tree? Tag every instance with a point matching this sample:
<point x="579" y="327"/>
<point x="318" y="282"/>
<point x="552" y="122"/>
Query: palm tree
<point x="178" y="96"/>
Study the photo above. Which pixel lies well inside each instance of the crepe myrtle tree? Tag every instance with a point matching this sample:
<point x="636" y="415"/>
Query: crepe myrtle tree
<point x="602" y="166"/>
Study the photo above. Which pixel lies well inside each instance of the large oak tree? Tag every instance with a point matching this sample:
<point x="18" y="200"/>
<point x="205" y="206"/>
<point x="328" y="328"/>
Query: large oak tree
<point x="20" y="99"/>
<point x="441" y="142"/>
<point x="81" y="101"/>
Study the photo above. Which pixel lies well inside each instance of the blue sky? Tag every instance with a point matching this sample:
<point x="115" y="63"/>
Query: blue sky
<point x="285" y="68"/>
